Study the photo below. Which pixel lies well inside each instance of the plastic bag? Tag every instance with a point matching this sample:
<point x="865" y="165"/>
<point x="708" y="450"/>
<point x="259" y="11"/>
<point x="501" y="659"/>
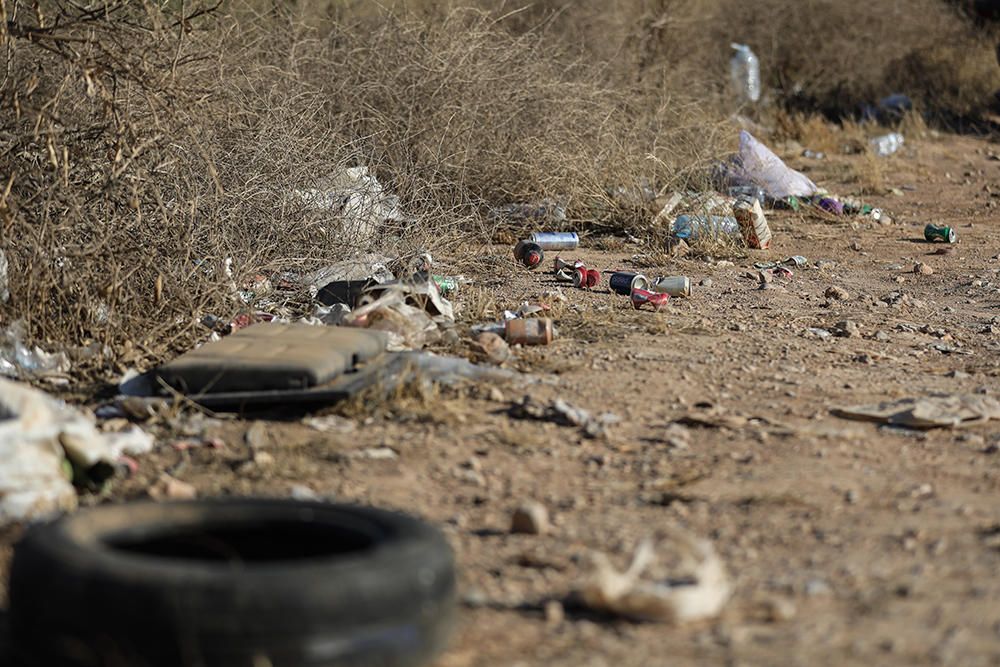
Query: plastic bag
<point x="757" y="165"/>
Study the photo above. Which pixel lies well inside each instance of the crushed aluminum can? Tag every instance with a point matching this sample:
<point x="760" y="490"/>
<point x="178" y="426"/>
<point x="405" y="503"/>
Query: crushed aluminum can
<point x="657" y="300"/>
<point x="446" y="285"/>
<point x="940" y="233"/>
<point x="529" y="253"/>
<point x="797" y="261"/>
<point x="561" y="264"/>
<point x="623" y="282"/>
<point x="566" y="275"/>
<point x="556" y="240"/>
<point x="586" y="278"/>
<point x="673" y="285"/>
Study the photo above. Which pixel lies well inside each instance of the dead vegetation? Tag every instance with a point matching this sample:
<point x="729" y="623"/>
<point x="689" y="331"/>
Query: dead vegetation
<point x="150" y="153"/>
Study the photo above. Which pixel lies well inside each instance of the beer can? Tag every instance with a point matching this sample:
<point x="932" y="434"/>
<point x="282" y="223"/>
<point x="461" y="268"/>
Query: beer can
<point x="940" y="232"/>
<point x="561" y="264"/>
<point x="556" y="240"/>
<point x="529" y="331"/>
<point x="446" y="285"/>
<point x="673" y="285"/>
<point x="623" y="282"/>
<point x="640" y="297"/>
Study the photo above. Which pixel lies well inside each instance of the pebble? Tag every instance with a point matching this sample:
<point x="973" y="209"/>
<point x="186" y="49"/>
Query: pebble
<point x="263" y="459"/>
<point x="847" y="329"/>
<point x="776" y="610"/>
<point x="171" y="488"/>
<point x="881" y="336"/>
<point x="922" y="269"/>
<point x="817" y="587"/>
<point x="855" y="246"/>
<point x="957" y="374"/>
<point x="555" y="614"/>
<point x="531" y="518"/>
<point x="493" y="347"/>
<point x="836" y="293"/>
<point x="705" y="282"/>
<point x="257" y="435"/>
<point x="302" y="492"/>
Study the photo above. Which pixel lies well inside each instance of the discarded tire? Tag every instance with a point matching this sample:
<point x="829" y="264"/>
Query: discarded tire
<point x="226" y="583"/>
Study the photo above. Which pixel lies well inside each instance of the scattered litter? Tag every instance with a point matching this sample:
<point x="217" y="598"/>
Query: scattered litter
<point x="757" y="165"/>
<point x="753" y="224"/>
<point x="641" y="297"/>
<point x="555" y="240"/>
<point x="564" y="414"/>
<point x="887" y="144"/>
<point x="625" y="282"/>
<point x="675" y="286"/>
<point x="39" y="437"/>
<point x="542" y="212"/>
<point x="934" y="411"/>
<point x="744" y="69"/>
<point x="343" y="282"/>
<point x="17" y="360"/>
<point x="331" y="424"/>
<point x="356" y="196"/>
<point x="530" y="254"/>
<point x="529" y="331"/>
<point x="697" y="590"/>
<point x="4" y="284"/>
<point x="822" y="334"/>
<point x="940" y="233"/>
<point x="691" y="228"/>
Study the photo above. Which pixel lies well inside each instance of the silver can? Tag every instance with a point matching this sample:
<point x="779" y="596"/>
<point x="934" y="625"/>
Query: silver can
<point x="556" y="240"/>
<point x="673" y="285"/>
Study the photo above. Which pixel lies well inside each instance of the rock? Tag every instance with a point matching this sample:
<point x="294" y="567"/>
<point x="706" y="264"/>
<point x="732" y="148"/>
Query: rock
<point x="836" y="293"/>
<point x="263" y="459"/>
<point x="764" y="277"/>
<point x="855" y="246"/>
<point x="302" y="492"/>
<point x="677" y="436"/>
<point x="375" y="454"/>
<point x="495" y="395"/>
<point x="493" y="347"/>
<point x="705" y="282"/>
<point x="777" y="610"/>
<point x="171" y="488"/>
<point x="555" y="614"/>
<point x="817" y="587"/>
<point x="531" y="518"/>
<point x="881" y="336"/>
<point x="957" y="374"/>
<point x="846" y="329"/>
<point x="257" y="436"/>
<point x="922" y="269"/>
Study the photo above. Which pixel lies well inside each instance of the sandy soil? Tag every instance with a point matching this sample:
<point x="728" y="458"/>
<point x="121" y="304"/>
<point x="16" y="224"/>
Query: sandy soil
<point x="847" y="542"/>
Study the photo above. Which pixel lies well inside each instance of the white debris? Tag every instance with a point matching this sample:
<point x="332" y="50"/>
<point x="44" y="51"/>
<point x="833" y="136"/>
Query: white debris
<point x="356" y="196"/>
<point x="699" y="590"/>
<point x="37" y="433"/>
<point x="4" y="284"/>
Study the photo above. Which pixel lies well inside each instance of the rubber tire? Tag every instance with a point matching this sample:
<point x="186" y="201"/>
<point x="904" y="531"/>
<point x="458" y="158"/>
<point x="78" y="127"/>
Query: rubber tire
<point x="76" y="600"/>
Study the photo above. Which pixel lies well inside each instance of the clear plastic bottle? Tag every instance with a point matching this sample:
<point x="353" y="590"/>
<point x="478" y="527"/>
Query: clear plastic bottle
<point x="745" y="71"/>
<point x="692" y="227"/>
<point x="887" y="144"/>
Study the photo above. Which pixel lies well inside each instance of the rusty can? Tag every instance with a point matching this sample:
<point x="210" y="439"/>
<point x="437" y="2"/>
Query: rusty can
<point x="528" y="253"/>
<point x="556" y="240"/>
<point x="529" y="331"/>
<point x="673" y="285"/>
<point x="656" y="299"/>
<point x="623" y="282"/>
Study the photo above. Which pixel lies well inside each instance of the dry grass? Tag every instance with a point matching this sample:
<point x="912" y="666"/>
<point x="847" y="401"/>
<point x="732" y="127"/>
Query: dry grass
<point x="145" y="145"/>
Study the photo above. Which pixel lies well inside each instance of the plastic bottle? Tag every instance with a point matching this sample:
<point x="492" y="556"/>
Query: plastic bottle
<point x="691" y="227"/>
<point x="745" y="71"/>
<point x="887" y="144"/>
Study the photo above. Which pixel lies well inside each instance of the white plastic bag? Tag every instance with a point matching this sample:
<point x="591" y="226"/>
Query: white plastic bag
<point x="757" y="165"/>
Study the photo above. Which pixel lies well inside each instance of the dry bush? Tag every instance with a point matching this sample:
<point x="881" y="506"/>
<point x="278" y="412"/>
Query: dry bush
<point x="148" y="149"/>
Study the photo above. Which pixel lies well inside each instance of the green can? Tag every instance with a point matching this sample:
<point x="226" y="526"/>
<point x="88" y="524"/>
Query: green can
<point x="446" y="285"/>
<point x="940" y="233"/>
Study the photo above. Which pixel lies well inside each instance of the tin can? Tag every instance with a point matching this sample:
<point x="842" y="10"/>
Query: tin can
<point x="753" y="224"/>
<point x="673" y="285"/>
<point x="446" y="285"/>
<point x="940" y="232"/>
<point x="561" y="264"/>
<point x="566" y="275"/>
<point x="556" y="240"/>
<point x="640" y="297"/>
<point x="528" y="253"/>
<point x="623" y="282"/>
<point x="529" y="331"/>
<point x="586" y="278"/>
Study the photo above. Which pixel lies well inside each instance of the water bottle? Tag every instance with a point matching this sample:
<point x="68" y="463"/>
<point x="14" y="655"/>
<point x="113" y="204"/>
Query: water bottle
<point x="692" y="227"/>
<point x="887" y="144"/>
<point x="745" y="70"/>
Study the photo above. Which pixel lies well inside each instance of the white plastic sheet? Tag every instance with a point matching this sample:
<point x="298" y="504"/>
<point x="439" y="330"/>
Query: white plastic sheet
<point x="757" y="165"/>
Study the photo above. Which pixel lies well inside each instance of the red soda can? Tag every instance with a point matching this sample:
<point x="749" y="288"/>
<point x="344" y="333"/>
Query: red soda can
<point x="528" y="253"/>
<point x="655" y="299"/>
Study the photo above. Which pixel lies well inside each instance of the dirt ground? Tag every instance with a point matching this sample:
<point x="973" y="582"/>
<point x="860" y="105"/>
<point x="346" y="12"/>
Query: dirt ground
<point x="847" y="542"/>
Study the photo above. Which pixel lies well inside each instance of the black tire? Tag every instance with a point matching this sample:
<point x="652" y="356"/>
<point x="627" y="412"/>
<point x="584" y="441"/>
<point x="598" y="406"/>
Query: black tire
<point x="231" y="583"/>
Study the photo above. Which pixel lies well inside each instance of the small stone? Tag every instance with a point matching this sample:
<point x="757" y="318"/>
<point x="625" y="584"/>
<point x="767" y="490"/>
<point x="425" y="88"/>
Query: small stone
<point x="376" y="454"/>
<point x="493" y="348"/>
<point x="776" y="610"/>
<point x="257" y="436"/>
<point x="836" y="293"/>
<point x="171" y="488"/>
<point x="846" y="329"/>
<point x="855" y="246"/>
<point x="555" y="614"/>
<point x="881" y="336"/>
<point x="496" y="395"/>
<point x="922" y="269"/>
<point x="302" y="492"/>
<point x="263" y="459"/>
<point x="764" y="277"/>
<point x="705" y="282"/>
<point x="851" y="497"/>
<point x="677" y="436"/>
<point x="957" y="374"/>
<point x="531" y="518"/>
<point x="817" y="587"/>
